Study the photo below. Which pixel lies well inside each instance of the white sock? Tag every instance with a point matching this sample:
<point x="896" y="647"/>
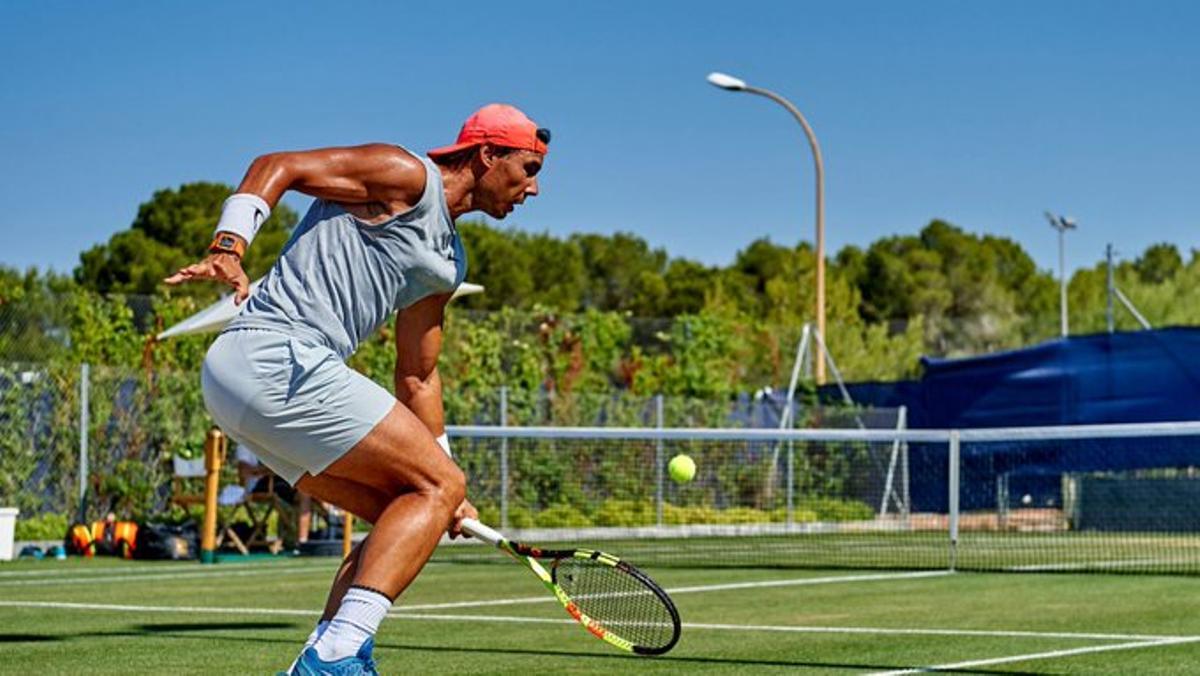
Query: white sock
<point x="356" y="621"/>
<point x="316" y="633"/>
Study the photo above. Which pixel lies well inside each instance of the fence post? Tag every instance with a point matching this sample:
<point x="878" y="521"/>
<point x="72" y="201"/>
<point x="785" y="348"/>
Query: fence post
<point x="954" y="469"/>
<point x="214" y="455"/>
<point x="659" y="461"/>
<point x="85" y="370"/>
<point x="503" y="459"/>
<point x="791" y="483"/>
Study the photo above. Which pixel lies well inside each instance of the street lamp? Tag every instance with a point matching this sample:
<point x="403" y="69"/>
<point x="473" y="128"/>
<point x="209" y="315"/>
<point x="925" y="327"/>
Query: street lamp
<point x="733" y="84"/>
<point x="1062" y="224"/>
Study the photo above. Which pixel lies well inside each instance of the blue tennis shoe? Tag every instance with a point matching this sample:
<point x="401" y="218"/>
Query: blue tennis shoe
<point x="311" y="664"/>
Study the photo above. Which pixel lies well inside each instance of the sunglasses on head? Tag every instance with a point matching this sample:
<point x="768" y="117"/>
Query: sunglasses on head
<point x="543" y="135"/>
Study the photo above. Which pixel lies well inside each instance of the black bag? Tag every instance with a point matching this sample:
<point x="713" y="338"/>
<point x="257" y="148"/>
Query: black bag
<point x="166" y="541"/>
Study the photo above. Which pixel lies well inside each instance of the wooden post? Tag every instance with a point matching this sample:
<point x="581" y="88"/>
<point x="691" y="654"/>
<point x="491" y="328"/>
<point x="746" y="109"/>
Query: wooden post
<point x="214" y="455"/>
<point x="347" y="535"/>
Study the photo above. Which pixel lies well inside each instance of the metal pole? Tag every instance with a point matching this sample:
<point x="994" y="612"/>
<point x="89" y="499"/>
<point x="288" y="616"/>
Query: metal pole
<point x="1062" y="224"/>
<point x="1108" y="312"/>
<point x="503" y="459"/>
<point x="1062" y="283"/>
<point x="85" y="370"/>
<point x="1132" y="309"/>
<point x="820" y="243"/>
<point x="791" y="483"/>
<point x="954" y="468"/>
<point x="906" y="508"/>
<point x="659" y="461"/>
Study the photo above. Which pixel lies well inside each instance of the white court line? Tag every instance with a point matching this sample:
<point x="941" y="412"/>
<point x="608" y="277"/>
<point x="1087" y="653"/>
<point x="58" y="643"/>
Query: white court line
<point x="810" y="580"/>
<point x="151" y="569"/>
<point x="790" y="582"/>
<point x="1043" y="656"/>
<point x="1085" y="565"/>
<point x="883" y="631"/>
<point x="214" y="573"/>
<point x="65" y="605"/>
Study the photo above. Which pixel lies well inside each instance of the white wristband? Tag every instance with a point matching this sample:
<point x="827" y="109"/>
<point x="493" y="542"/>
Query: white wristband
<point x="243" y="214"/>
<point x="444" y="442"/>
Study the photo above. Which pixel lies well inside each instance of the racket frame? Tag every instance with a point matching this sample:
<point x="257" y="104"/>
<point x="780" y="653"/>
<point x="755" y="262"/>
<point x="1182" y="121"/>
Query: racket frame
<point x="532" y="556"/>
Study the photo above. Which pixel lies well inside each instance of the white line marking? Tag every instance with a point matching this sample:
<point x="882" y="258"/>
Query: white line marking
<point x="1141" y="639"/>
<point x="879" y="631"/>
<point x="1043" y="656"/>
<point x="1085" y="565"/>
<point x="810" y="580"/>
<point x="212" y="572"/>
<point x="158" y="609"/>
<point x="899" y="631"/>
<point x="152" y="567"/>
<point x="791" y="582"/>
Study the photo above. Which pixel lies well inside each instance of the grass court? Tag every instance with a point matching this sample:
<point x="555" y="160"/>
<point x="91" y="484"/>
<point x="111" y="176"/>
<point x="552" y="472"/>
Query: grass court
<point x="107" y="616"/>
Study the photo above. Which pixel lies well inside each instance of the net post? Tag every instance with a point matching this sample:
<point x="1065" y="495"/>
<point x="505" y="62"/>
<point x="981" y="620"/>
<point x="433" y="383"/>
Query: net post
<point x="955" y="447"/>
<point x="659" y="459"/>
<point x="84" y="408"/>
<point x="503" y="458"/>
<point x="791" y="483"/>
<point x="214" y="455"/>
<point x="906" y="509"/>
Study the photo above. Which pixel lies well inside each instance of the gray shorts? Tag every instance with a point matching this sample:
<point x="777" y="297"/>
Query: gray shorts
<point x="298" y="407"/>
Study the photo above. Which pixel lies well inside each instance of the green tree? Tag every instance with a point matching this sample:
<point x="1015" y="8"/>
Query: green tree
<point x="173" y="229"/>
<point x="623" y="273"/>
<point x="974" y="293"/>
<point x="1159" y="263"/>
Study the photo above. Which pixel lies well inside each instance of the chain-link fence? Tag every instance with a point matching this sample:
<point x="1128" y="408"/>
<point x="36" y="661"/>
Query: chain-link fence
<point x="121" y="428"/>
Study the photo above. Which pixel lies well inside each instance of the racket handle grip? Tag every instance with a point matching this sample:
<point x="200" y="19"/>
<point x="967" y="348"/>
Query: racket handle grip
<point x="481" y="532"/>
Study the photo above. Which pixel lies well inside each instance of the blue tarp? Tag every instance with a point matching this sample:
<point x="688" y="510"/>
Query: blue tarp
<point x="1141" y="376"/>
<point x="1127" y="377"/>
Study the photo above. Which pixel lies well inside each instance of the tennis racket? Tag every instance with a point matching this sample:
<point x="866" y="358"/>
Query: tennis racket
<point x="610" y="598"/>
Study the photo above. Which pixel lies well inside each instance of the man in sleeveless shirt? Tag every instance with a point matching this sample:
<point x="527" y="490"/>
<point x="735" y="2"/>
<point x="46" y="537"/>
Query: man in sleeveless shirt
<point x="379" y="241"/>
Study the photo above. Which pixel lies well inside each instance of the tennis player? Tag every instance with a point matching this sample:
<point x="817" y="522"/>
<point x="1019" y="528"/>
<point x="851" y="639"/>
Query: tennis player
<point x="379" y="239"/>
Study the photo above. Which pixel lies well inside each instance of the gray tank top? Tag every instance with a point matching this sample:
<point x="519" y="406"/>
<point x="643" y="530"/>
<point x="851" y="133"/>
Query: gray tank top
<point x="338" y="279"/>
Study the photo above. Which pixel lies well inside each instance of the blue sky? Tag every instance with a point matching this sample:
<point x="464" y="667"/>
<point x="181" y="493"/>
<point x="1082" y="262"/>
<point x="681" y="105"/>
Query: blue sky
<point x="980" y="113"/>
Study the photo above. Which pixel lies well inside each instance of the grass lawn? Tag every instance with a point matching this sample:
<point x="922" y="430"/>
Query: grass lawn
<point x="107" y="616"/>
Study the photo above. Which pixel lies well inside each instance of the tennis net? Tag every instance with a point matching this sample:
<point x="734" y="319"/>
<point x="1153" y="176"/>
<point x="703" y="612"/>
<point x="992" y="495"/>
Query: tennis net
<point x="1119" y="498"/>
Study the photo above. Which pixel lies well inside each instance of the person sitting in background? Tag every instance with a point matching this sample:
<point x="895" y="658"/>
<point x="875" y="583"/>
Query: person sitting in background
<point x="295" y="508"/>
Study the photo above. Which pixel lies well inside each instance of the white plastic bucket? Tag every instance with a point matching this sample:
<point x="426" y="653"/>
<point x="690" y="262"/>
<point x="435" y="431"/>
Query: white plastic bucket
<point x="8" y="526"/>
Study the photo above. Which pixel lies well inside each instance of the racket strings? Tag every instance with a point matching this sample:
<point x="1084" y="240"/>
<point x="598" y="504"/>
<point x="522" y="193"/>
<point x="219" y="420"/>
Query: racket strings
<point x="617" y="600"/>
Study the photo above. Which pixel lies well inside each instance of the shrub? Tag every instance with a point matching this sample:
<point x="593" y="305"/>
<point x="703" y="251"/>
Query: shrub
<point x="625" y="513"/>
<point x="831" y="509"/>
<point x="560" y="516"/>
<point x="49" y="526"/>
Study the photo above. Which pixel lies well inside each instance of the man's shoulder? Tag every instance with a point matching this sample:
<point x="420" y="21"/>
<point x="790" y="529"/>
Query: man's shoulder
<point x="400" y="174"/>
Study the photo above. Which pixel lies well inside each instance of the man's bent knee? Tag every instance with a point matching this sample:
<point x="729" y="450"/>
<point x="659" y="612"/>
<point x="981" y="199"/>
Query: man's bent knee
<point x="450" y="489"/>
<point x="456" y="488"/>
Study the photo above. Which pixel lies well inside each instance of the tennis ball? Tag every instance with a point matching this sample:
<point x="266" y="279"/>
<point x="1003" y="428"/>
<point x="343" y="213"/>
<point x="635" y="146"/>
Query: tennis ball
<point x="682" y="468"/>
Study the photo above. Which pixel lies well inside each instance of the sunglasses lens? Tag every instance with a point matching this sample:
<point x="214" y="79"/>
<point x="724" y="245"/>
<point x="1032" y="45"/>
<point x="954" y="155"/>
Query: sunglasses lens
<point x="543" y="135"/>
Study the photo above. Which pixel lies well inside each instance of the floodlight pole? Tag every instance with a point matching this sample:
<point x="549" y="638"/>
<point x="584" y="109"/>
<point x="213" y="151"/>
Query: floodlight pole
<point x="734" y="84"/>
<point x="1062" y="225"/>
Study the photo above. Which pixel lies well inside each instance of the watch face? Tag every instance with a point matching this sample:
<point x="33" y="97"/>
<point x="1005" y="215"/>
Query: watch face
<point x="226" y="242"/>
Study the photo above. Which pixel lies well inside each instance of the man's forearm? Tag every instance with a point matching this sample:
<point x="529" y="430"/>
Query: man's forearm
<point x="423" y="396"/>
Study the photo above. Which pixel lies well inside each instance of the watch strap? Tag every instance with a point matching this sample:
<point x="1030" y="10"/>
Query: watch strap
<point x="227" y="242"/>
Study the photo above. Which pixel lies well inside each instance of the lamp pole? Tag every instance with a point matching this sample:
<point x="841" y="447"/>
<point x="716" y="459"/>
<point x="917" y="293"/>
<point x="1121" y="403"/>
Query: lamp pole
<point x="733" y="84"/>
<point x="1062" y="225"/>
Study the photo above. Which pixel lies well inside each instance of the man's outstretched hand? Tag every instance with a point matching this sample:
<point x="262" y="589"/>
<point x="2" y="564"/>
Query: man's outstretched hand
<point x="222" y="267"/>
